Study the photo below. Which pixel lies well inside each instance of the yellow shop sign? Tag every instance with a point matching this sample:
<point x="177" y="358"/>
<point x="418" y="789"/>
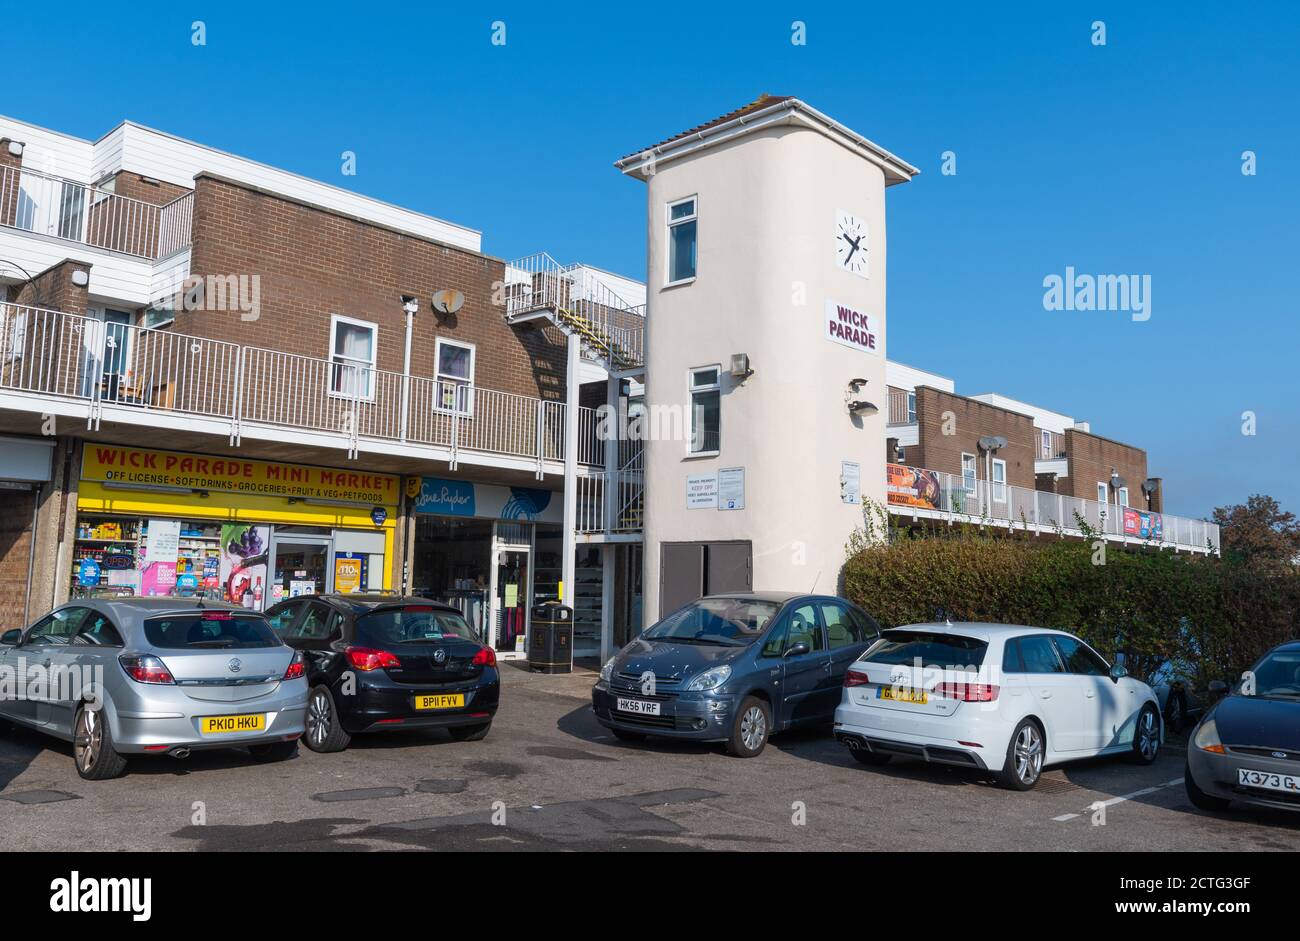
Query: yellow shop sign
<point x="110" y="464"/>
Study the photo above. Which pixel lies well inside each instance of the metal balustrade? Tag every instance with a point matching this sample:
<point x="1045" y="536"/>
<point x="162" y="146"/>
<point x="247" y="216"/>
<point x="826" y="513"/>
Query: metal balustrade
<point x="52" y="354"/>
<point x="51" y="205"/>
<point x="949" y="496"/>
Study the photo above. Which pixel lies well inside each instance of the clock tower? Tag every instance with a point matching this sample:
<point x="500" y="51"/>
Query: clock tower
<point x="765" y="337"/>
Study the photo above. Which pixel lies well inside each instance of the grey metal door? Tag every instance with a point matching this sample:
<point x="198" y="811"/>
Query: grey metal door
<point x="727" y="567"/>
<point x="681" y="575"/>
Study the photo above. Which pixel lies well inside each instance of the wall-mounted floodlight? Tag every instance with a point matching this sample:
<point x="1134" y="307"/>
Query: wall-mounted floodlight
<point x="858" y="406"/>
<point x="740" y="368"/>
<point x="15" y="148"/>
<point x="80" y="278"/>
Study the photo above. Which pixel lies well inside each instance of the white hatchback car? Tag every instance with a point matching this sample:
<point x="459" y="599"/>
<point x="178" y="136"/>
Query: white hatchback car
<point x="996" y="697"/>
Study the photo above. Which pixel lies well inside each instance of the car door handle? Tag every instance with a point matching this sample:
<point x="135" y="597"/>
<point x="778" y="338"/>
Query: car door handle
<point x="1091" y="694"/>
<point x="1045" y="693"/>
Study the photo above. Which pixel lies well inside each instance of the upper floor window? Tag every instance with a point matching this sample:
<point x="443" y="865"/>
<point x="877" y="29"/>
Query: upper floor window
<point x="911" y="407"/>
<point x="1103" y="493"/>
<point x="1123" y="496"/>
<point x="706" y="410"/>
<point x="999" y="480"/>
<point x="968" y="472"/>
<point x="455" y="375"/>
<point x="681" y="240"/>
<point x="352" y="356"/>
<point x="1045" y="446"/>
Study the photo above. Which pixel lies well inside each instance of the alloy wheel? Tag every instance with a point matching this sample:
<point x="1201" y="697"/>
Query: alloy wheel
<point x="88" y="739"/>
<point x="1148" y="736"/>
<point x="319" y="718"/>
<point x="753" y="728"/>
<point x="1029" y="754"/>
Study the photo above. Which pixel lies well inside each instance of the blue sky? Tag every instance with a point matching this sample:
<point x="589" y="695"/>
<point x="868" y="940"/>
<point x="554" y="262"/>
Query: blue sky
<point x="1122" y="159"/>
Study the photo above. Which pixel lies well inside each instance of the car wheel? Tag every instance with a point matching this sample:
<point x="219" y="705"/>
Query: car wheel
<point x="1175" y="712"/>
<point x="873" y="758"/>
<point x="624" y="736"/>
<point x="1146" y="736"/>
<point x="1024" y="764"/>
<point x="92" y="747"/>
<point x="1200" y="800"/>
<point x="275" y="751"/>
<point x="324" y="730"/>
<point x="750" y="728"/>
<point x="470" y="733"/>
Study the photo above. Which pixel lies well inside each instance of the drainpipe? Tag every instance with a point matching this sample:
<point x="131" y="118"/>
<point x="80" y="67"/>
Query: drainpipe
<point x="568" y="564"/>
<point x="31" y="555"/>
<point x="410" y="304"/>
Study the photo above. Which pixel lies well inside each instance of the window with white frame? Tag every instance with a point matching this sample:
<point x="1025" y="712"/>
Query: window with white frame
<point x="682" y="220"/>
<point x="1046" y="444"/>
<point x="999" y="481"/>
<point x="968" y="472"/>
<point x="1102" y="493"/>
<point x="454" y="365"/>
<point x="706" y="410"/>
<point x="1123" y="496"/>
<point x="911" y="407"/>
<point x="352" y="356"/>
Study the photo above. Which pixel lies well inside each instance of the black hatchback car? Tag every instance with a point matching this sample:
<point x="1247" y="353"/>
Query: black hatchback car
<point x="734" y="668"/>
<point x="383" y="662"/>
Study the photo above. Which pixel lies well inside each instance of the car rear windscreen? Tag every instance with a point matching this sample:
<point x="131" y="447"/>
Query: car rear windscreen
<point x="211" y="631"/>
<point x="415" y="624"/>
<point x="943" y="651"/>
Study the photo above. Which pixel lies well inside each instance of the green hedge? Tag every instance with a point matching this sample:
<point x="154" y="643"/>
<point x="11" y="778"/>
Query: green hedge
<point x="1214" y="615"/>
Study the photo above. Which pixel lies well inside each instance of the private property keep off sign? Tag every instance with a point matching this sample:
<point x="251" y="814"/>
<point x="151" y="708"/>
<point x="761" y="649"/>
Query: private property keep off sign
<point x="851" y="327"/>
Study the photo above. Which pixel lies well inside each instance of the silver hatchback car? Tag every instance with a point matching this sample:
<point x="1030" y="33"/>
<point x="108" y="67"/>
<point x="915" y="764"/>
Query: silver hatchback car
<point x="128" y="676"/>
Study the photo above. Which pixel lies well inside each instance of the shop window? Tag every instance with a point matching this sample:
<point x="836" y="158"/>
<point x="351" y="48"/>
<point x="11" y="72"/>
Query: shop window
<point x="706" y="409"/>
<point x="681" y="241"/>
<point x="352" y="357"/>
<point x="455" y="376"/>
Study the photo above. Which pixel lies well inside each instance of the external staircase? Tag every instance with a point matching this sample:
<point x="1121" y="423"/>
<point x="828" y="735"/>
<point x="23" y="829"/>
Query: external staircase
<point x="610" y="330"/>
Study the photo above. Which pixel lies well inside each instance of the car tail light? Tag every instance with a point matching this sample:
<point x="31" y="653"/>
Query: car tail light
<point x="146" y="670"/>
<point x="297" y="667"/>
<point x="967" y="692"/>
<point x="486" y="657"/>
<point x="418" y="608"/>
<point x="853" y="678"/>
<point x="366" y="659"/>
<point x="216" y="616"/>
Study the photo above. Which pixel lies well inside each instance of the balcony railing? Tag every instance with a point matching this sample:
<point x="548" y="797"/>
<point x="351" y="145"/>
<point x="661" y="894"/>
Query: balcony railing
<point x="66" y="356"/>
<point x="919" y="491"/>
<point x="65" y="209"/>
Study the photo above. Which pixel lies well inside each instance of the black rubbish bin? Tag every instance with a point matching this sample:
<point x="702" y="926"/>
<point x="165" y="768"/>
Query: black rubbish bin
<point x="551" y="648"/>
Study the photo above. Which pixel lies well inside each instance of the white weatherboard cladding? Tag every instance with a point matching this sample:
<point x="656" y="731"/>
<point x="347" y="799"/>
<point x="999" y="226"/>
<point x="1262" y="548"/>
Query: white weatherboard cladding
<point x="767" y="208"/>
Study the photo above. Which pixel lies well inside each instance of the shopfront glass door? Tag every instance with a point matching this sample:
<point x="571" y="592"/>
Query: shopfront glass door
<point x="299" y="566"/>
<point x="511" y="602"/>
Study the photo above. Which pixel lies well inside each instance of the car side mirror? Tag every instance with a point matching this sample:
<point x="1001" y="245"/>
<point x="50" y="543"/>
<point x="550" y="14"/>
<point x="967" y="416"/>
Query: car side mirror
<point x="1217" y="687"/>
<point x="1118" y="673"/>
<point x="10" y="638"/>
<point x="796" y="650"/>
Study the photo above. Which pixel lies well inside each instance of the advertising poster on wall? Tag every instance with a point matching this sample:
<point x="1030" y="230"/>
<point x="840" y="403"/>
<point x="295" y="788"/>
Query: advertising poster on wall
<point x="349" y="572"/>
<point x="1143" y="525"/>
<point x="243" y="563"/>
<point x="912" y="486"/>
<point x="158" y="557"/>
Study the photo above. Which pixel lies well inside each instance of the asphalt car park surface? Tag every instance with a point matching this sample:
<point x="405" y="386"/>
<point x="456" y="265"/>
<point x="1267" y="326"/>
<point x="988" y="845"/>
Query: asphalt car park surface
<point x="559" y="780"/>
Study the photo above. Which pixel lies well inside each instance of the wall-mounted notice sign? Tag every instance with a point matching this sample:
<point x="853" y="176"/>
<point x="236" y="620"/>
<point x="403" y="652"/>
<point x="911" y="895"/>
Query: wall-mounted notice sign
<point x="731" y="488"/>
<point x="850" y="482"/>
<point x="702" y="492"/>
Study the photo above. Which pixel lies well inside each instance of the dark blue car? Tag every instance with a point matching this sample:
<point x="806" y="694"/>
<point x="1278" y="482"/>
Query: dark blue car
<point x="734" y="668"/>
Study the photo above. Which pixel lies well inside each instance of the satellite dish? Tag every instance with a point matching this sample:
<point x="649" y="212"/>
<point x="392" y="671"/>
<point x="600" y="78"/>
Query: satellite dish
<point x="448" y="301"/>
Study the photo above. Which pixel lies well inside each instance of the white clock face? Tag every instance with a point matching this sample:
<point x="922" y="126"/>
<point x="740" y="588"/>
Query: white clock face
<point x="851" y="244"/>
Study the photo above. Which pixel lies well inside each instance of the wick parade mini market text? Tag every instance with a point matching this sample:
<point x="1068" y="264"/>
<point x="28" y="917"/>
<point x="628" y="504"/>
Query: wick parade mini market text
<point x="153" y="522"/>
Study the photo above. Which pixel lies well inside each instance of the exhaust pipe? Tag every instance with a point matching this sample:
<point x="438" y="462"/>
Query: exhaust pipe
<point x="180" y="751"/>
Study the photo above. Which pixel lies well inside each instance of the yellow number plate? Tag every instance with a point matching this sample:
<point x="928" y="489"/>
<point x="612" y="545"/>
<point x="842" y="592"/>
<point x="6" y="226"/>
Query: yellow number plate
<point x="440" y="701"/>
<point x="903" y="694"/>
<point x="211" y="725"/>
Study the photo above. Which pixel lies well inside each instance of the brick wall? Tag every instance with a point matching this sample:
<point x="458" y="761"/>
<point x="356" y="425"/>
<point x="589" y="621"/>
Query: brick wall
<point x="1090" y="461"/>
<point x="15" y="545"/>
<point x="155" y="192"/>
<point x="313" y="263"/>
<point x="53" y="288"/>
<point x="972" y="420"/>
<point x="8" y="183"/>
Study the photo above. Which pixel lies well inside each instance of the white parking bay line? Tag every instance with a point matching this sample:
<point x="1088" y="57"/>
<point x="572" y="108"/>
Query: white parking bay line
<point x="1119" y="800"/>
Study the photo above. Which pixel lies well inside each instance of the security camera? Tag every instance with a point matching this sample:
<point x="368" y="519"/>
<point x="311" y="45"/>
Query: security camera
<point x="862" y="407"/>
